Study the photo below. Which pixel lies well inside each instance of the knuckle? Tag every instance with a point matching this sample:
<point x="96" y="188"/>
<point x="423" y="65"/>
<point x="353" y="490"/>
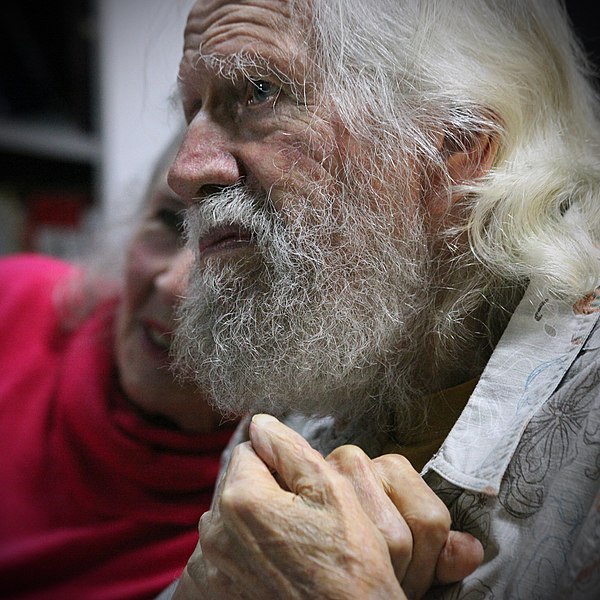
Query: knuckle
<point x="347" y="458"/>
<point x="392" y="462"/>
<point x="211" y="542"/>
<point x="440" y="515"/>
<point x="434" y="522"/>
<point x="210" y="545"/>
<point x="204" y="523"/>
<point x="351" y="462"/>
<point x="401" y="544"/>
<point x="237" y="502"/>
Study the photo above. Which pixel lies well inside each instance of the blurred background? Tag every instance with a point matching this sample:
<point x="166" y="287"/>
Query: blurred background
<point x="85" y="89"/>
<point x="85" y="107"/>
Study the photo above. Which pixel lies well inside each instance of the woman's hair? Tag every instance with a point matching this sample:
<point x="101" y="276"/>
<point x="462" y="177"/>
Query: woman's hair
<point x="99" y="275"/>
<point x="400" y="71"/>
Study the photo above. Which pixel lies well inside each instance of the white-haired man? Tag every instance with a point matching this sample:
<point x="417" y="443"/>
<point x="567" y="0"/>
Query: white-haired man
<point x="395" y="208"/>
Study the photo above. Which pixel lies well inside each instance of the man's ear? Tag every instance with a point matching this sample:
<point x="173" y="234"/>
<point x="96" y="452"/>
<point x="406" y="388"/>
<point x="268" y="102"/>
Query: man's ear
<point x="471" y="157"/>
<point x="467" y="158"/>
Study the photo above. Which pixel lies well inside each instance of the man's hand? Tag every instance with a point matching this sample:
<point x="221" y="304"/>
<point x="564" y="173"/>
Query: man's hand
<point x="290" y="524"/>
<point x="413" y="520"/>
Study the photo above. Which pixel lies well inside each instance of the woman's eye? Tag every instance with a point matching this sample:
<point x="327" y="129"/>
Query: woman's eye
<point x="173" y="219"/>
<point x="261" y="91"/>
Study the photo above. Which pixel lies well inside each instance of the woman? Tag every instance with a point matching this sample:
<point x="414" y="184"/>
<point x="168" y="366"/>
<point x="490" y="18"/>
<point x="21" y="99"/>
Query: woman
<point x="107" y="461"/>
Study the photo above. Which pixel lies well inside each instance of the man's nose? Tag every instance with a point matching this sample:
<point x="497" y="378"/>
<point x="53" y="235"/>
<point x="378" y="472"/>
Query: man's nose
<point x="171" y="281"/>
<point x="205" y="160"/>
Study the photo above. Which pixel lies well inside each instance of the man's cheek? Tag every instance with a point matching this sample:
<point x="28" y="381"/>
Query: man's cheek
<point x="307" y="153"/>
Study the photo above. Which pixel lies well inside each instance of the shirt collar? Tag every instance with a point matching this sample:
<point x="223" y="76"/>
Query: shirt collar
<point x="540" y="343"/>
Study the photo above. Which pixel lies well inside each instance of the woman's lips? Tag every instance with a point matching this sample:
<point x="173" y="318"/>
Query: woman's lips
<point x="224" y="238"/>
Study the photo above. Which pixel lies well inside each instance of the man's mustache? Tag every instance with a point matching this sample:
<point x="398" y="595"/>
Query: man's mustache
<point x="226" y="209"/>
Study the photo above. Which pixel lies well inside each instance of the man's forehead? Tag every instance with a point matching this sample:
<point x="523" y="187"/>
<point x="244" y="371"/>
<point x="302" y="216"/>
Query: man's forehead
<point x="231" y="37"/>
<point x="206" y="8"/>
<point x="217" y="21"/>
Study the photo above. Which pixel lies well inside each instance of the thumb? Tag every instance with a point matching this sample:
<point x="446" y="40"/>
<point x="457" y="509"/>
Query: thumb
<point x="461" y="555"/>
<point x="288" y="454"/>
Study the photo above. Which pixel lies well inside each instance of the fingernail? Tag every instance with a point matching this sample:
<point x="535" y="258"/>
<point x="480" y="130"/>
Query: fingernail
<point x="263" y="419"/>
<point x="261" y="437"/>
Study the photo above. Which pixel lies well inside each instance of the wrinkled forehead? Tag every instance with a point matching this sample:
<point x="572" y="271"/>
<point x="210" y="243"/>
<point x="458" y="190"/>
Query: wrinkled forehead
<point x="269" y="30"/>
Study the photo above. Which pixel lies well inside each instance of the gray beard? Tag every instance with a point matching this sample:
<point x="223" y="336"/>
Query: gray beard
<point x="328" y="321"/>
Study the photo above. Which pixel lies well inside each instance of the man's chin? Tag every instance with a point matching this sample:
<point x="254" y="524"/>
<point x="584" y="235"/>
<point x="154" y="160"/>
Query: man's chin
<point x="280" y="396"/>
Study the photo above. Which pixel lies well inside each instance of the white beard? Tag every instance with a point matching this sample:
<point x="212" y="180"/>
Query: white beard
<point x="330" y="321"/>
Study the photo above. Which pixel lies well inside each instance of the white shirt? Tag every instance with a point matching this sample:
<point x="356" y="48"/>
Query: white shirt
<point x="520" y="469"/>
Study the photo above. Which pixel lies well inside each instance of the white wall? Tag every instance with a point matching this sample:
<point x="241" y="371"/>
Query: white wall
<point x="140" y="44"/>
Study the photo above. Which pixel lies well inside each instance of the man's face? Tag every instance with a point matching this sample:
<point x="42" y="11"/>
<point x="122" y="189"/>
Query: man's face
<point x="251" y="117"/>
<point x="306" y="277"/>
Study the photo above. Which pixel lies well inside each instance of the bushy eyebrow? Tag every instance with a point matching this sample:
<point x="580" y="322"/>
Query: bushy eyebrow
<point x="245" y="65"/>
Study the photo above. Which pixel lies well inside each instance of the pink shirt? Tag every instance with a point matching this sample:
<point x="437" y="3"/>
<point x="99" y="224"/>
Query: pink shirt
<point x="95" y="502"/>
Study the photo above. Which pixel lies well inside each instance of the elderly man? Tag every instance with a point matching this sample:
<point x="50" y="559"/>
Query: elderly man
<point x="394" y="205"/>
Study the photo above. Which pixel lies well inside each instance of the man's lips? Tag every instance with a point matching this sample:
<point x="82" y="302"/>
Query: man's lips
<point x="223" y="238"/>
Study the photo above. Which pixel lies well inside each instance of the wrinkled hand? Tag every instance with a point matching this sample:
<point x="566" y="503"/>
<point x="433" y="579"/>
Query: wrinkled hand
<point x="413" y="520"/>
<point x="289" y="524"/>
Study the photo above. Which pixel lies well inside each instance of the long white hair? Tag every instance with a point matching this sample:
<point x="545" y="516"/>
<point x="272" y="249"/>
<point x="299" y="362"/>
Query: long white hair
<point x="398" y="70"/>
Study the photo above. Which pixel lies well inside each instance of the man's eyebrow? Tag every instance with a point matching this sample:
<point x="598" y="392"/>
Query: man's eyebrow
<point x="250" y="66"/>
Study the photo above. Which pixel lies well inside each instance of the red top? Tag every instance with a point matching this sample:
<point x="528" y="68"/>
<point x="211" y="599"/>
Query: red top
<point x="95" y="502"/>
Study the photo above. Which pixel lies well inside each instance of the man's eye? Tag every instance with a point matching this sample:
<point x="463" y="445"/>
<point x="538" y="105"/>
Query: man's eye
<point x="261" y="91"/>
<point x="173" y="219"/>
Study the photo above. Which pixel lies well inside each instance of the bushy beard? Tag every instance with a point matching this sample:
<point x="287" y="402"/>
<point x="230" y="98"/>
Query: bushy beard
<point x="326" y="317"/>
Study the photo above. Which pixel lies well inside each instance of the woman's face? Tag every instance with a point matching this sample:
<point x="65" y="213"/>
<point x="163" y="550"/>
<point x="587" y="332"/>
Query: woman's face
<point x="155" y="278"/>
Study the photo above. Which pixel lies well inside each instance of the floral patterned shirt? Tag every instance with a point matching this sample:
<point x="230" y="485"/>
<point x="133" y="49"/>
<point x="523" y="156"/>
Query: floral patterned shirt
<point x="520" y="469"/>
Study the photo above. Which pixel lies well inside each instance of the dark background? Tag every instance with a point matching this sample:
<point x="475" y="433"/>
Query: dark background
<point x="585" y="18"/>
<point x="48" y="72"/>
<point x="46" y="63"/>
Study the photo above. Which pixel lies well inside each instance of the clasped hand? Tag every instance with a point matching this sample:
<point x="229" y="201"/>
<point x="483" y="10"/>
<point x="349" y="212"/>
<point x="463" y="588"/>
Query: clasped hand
<point x="287" y="523"/>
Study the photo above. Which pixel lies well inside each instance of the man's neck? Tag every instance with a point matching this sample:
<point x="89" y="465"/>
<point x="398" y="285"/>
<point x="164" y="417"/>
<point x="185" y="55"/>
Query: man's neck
<point x="443" y="409"/>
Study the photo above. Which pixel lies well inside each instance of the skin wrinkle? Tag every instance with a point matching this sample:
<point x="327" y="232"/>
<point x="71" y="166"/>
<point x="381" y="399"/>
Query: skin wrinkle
<point x="332" y="207"/>
<point x="349" y="562"/>
<point x="295" y="118"/>
<point x="227" y="24"/>
<point x="338" y="306"/>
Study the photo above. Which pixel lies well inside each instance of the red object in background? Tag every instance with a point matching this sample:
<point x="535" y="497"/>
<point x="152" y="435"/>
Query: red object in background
<point x="53" y="221"/>
<point x="96" y="502"/>
<point x="56" y="208"/>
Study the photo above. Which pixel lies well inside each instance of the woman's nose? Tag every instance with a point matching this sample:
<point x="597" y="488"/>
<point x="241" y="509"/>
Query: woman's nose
<point x="206" y="159"/>
<point x="171" y="281"/>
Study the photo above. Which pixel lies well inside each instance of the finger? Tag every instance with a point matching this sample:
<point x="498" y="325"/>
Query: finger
<point x="245" y="464"/>
<point x="193" y="583"/>
<point x="187" y="589"/>
<point x="248" y="485"/>
<point x="222" y="567"/>
<point x="291" y="456"/>
<point x="221" y="478"/>
<point x="358" y="468"/>
<point x="461" y="555"/>
<point x="425" y="514"/>
<point x="248" y="479"/>
<point x="246" y="543"/>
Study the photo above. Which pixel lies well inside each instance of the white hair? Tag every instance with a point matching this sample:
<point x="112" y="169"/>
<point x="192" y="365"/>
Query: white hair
<point x="344" y="323"/>
<point x="399" y="70"/>
<point x="101" y="268"/>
